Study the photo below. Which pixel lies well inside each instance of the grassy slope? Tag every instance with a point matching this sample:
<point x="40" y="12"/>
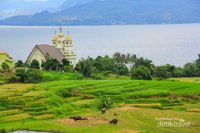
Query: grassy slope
<point x="193" y="80"/>
<point x="29" y="104"/>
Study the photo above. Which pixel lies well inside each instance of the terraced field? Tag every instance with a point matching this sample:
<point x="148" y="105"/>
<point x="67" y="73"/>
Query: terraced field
<point x="138" y="103"/>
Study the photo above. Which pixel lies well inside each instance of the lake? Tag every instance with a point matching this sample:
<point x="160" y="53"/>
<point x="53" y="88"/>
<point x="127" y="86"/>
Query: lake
<point x="173" y="43"/>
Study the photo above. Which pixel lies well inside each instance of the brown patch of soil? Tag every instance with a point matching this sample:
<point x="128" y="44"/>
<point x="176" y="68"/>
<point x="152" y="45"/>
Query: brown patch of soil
<point x="90" y="121"/>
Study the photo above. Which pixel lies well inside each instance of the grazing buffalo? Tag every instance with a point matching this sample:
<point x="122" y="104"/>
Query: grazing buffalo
<point x="103" y="110"/>
<point x="77" y="118"/>
<point x="114" y="121"/>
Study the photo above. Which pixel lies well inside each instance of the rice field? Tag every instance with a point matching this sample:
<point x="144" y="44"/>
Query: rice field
<point x="138" y="103"/>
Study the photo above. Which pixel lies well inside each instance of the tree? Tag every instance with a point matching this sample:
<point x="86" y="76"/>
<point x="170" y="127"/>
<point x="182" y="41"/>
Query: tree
<point x="178" y="72"/>
<point x="35" y="64"/>
<point x="5" y="67"/>
<point x="122" y="70"/>
<point x="86" y="67"/>
<point x="124" y="59"/>
<point x="19" y="63"/>
<point x="145" y="62"/>
<point x="141" y="72"/>
<point x="104" y="64"/>
<point x="65" y="62"/>
<point x="161" y="72"/>
<point x="52" y="65"/>
<point x="164" y="71"/>
<point x="190" y="70"/>
<point x="198" y="64"/>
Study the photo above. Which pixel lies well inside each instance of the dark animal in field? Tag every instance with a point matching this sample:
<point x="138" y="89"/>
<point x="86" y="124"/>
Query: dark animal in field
<point x="78" y="118"/>
<point x="114" y="121"/>
<point x="115" y="114"/>
<point x="103" y="110"/>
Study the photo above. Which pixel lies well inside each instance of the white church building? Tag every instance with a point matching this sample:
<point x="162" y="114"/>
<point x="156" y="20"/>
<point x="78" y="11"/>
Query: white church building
<point x="61" y="48"/>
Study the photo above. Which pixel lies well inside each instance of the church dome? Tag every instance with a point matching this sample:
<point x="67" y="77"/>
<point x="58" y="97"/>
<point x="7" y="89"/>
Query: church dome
<point x="54" y="38"/>
<point x="61" y="35"/>
<point x="68" y="38"/>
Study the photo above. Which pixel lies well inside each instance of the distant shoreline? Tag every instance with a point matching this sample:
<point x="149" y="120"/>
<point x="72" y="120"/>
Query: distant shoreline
<point x="52" y="26"/>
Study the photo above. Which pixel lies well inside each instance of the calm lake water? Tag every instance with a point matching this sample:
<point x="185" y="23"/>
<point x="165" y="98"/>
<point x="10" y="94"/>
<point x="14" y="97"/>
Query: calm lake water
<point x="174" y="44"/>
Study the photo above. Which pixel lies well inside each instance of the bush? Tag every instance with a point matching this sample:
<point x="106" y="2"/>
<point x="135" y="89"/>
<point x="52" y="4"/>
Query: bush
<point x="96" y="76"/>
<point x="141" y="72"/>
<point x="3" y="131"/>
<point x="105" y="102"/>
<point x="22" y="73"/>
<point x="14" y="79"/>
<point x="29" y="75"/>
<point x="68" y="68"/>
<point x="34" y="76"/>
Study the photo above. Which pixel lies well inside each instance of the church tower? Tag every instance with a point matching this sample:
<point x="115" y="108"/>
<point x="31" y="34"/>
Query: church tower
<point x="65" y="46"/>
<point x="60" y="40"/>
<point x="69" y="51"/>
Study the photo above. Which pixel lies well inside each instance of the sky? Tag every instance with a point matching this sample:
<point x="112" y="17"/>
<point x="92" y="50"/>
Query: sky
<point x="29" y="4"/>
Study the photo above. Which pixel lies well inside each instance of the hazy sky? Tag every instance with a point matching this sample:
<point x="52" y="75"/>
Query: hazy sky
<point x="29" y="4"/>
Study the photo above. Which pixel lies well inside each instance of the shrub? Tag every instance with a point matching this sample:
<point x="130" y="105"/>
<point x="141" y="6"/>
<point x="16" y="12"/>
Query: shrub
<point x="34" y="76"/>
<point x="14" y="79"/>
<point x="105" y="102"/>
<point x="3" y="131"/>
<point x="96" y="76"/>
<point x="68" y="68"/>
<point x="29" y="75"/>
<point x="22" y="73"/>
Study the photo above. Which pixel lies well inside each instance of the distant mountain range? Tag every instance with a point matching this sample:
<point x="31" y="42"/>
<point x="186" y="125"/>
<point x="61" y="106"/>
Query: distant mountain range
<point x="113" y="12"/>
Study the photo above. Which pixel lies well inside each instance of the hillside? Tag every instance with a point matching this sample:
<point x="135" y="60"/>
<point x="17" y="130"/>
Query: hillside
<point x="111" y="12"/>
<point x="137" y="103"/>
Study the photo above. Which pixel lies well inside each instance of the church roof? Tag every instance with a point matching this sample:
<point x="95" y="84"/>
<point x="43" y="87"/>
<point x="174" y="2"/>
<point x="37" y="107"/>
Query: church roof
<point x="51" y="51"/>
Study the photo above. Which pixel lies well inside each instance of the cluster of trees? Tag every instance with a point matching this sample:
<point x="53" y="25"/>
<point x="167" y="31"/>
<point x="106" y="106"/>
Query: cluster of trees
<point x="118" y="64"/>
<point x="135" y="67"/>
<point x="101" y="66"/>
<point x="31" y="73"/>
<point x="191" y="69"/>
<point x="49" y="65"/>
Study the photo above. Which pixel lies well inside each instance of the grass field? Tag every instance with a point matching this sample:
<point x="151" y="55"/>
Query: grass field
<point x="47" y="106"/>
<point x="193" y="80"/>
